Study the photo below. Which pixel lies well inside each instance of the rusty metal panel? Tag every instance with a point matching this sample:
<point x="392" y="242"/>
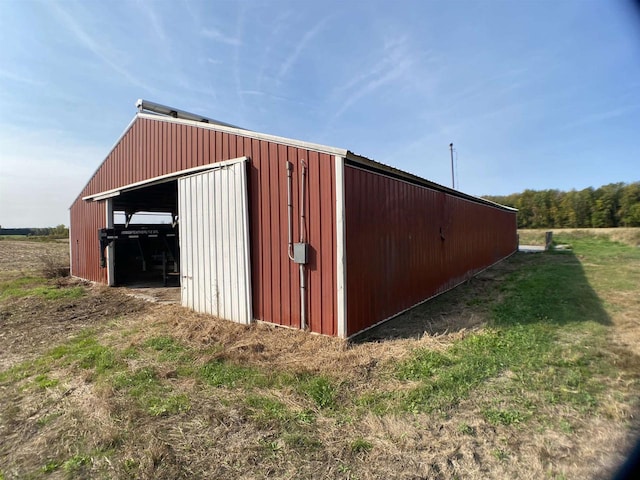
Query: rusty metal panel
<point x="151" y="148"/>
<point x="406" y="243"/>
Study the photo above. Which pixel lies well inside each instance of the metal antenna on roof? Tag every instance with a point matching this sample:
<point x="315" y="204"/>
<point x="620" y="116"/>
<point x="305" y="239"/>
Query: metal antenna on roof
<point x="453" y="180"/>
<point x="457" y="171"/>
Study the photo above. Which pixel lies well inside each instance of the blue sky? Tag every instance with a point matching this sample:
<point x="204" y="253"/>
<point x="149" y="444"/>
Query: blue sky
<point x="542" y="94"/>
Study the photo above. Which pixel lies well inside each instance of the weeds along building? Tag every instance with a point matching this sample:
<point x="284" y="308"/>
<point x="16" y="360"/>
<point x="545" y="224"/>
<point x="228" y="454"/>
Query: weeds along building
<point x="259" y="227"/>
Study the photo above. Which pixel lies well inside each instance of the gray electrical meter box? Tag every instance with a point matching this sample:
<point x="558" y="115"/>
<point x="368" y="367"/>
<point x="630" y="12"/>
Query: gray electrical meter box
<point x="301" y="253"/>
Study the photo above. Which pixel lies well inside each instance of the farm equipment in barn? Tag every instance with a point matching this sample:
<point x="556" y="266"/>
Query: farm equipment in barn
<point x="148" y="247"/>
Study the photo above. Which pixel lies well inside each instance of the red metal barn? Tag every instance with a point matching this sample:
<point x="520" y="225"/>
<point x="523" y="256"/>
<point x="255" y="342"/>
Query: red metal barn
<point x="276" y="230"/>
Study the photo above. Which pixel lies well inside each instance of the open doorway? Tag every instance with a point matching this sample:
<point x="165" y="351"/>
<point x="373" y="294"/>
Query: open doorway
<point x="208" y="256"/>
<point x="144" y="251"/>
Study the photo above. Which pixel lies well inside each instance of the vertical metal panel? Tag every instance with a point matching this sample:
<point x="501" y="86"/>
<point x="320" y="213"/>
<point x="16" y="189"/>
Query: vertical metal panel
<point x="214" y="243"/>
<point x="86" y="219"/>
<point x="264" y="310"/>
<point x="313" y="211"/>
<point x="275" y="280"/>
<point x="275" y="243"/>
<point x="406" y="243"/>
<point x="288" y="270"/>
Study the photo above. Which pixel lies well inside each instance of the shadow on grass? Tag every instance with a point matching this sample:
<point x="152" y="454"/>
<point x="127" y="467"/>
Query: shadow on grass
<point x="546" y="287"/>
<point x="546" y="354"/>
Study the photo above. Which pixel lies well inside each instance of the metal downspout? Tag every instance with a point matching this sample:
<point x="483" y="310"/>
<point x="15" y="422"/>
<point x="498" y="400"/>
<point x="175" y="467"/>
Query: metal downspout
<point x="303" y="276"/>
<point x="289" y="213"/>
<point x="303" y="282"/>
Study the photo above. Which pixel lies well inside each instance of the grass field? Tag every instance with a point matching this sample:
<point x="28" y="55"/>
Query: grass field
<point x="530" y="370"/>
<point x="628" y="236"/>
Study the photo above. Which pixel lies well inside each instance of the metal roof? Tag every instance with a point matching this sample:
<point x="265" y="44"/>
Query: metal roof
<point x="152" y="107"/>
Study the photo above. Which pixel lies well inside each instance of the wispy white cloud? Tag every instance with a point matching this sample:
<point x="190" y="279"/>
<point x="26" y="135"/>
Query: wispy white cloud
<point x="602" y="116"/>
<point x="154" y="20"/>
<point x="375" y="70"/>
<point x="187" y="5"/>
<point x="99" y="49"/>
<point x="253" y="92"/>
<point x="394" y="62"/>
<point x="17" y="77"/>
<point x="301" y="45"/>
<point x="507" y="81"/>
<point x="276" y="26"/>
<point x="237" y="77"/>
<point x="213" y="33"/>
<point x="268" y="95"/>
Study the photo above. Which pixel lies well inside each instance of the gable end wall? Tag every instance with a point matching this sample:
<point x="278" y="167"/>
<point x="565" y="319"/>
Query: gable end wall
<point x="151" y="148"/>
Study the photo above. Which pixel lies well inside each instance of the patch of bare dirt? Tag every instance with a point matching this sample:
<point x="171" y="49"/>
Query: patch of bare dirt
<point x="162" y="295"/>
<point x="31" y="325"/>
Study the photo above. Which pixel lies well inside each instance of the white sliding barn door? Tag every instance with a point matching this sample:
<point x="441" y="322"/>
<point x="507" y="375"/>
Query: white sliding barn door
<point x="214" y="242"/>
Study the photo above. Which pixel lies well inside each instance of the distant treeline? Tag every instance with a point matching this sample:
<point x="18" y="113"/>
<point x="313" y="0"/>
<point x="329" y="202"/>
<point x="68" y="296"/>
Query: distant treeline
<point x="54" y="232"/>
<point x="613" y="205"/>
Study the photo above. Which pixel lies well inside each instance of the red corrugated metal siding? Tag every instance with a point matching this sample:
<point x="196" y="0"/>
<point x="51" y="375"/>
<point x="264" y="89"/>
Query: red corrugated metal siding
<point x="395" y="252"/>
<point x="155" y="147"/>
<point x="86" y="219"/>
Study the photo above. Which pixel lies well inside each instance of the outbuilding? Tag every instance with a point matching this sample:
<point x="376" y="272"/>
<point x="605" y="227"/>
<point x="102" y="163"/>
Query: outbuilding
<point x="271" y="229"/>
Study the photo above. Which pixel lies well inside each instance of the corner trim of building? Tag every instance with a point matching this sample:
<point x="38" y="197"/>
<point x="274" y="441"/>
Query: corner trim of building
<point x="341" y="267"/>
<point x="70" y="246"/>
<point x="110" y="248"/>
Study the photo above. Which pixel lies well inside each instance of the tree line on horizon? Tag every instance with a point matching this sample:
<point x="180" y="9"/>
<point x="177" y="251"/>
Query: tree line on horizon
<point x="59" y="231"/>
<point x="612" y="205"/>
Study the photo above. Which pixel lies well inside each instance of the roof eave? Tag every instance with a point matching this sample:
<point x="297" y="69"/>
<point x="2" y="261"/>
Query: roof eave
<point x="411" y="178"/>
<point x="248" y="133"/>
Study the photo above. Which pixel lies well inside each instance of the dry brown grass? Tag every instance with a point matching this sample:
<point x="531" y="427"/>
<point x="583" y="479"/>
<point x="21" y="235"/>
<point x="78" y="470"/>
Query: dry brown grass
<point x="215" y="440"/>
<point x="20" y="257"/>
<point x="54" y="265"/>
<point x="212" y="440"/>
<point x="629" y="236"/>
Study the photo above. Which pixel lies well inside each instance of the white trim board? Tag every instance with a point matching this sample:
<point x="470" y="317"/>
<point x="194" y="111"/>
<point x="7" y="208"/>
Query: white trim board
<point x="161" y="179"/>
<point x="110" y="254"/>
<point x="341" y="260"/>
